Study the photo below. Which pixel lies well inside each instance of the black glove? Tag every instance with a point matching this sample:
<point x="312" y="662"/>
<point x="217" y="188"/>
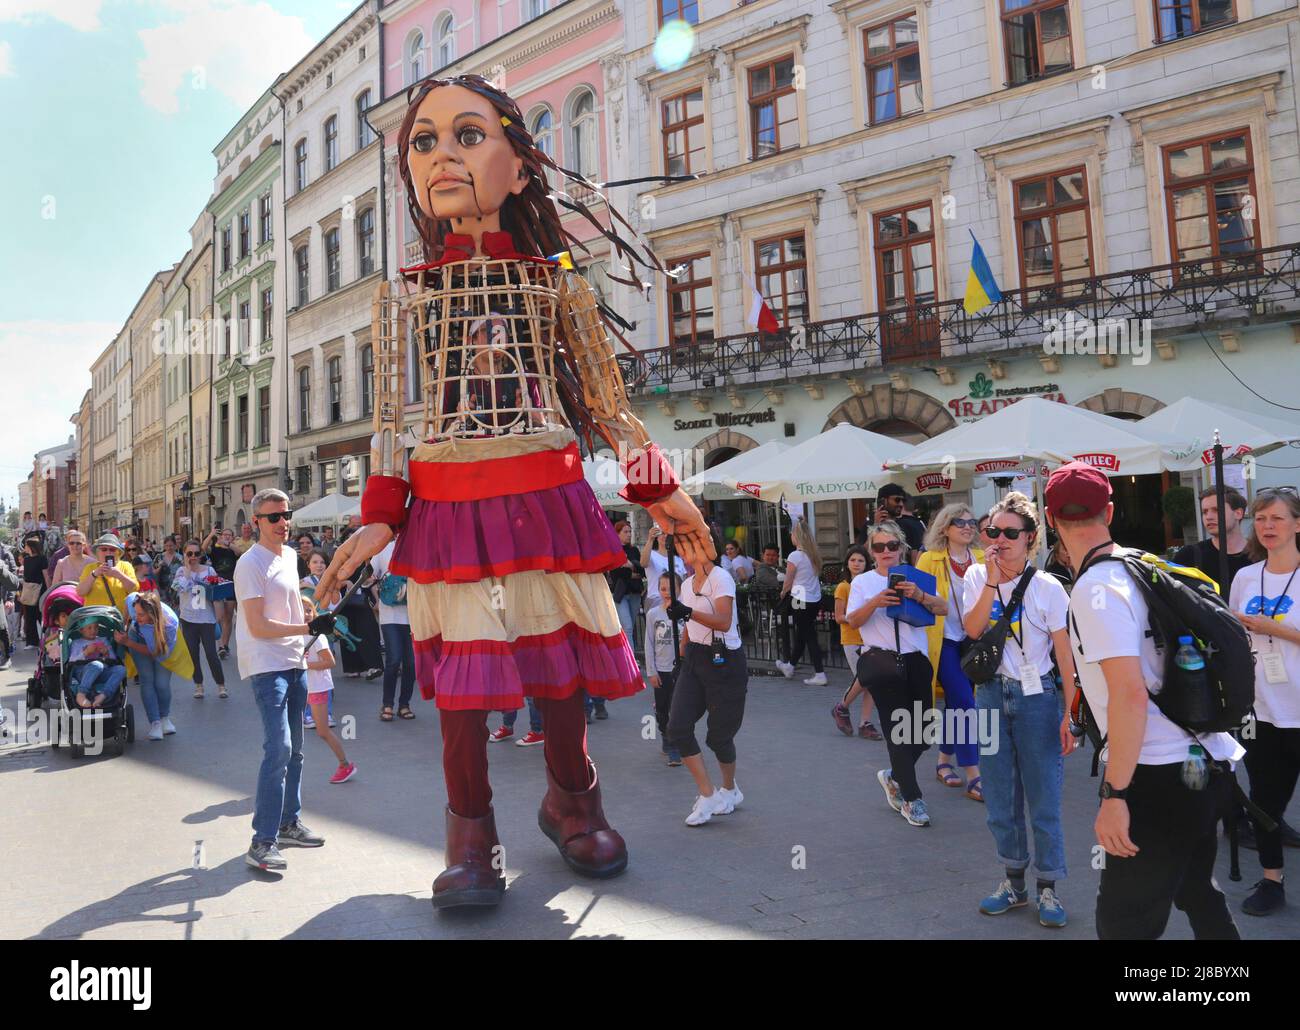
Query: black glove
<point x="679" y="612"/>
<point x="322" y="624"/>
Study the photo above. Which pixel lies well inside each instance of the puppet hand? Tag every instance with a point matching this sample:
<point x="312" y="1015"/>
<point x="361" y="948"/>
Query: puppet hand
<point x="354" y="552"/>
<point x="677" y="514"/>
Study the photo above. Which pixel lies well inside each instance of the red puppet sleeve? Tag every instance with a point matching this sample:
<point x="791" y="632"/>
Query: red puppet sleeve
<point x="384" y="500"/>
<point x="649" y="477"/>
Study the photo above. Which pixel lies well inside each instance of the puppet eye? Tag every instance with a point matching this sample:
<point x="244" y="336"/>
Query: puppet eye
<point x="471" y="135"/>
<point x="424" y="142"/>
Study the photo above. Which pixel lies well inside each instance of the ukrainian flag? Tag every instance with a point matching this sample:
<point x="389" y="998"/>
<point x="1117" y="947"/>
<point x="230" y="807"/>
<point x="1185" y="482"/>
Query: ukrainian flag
<point x="981" y="288"/>
<point x="564" y="259"/>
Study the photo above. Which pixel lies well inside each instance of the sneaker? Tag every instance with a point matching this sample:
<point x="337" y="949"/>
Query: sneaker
<point x="706" y="808"/>
<point x="840" y="716"/>
<point x="1269" y="896"/>
<point x="155" y="730"/>
<point x="265" y="855"/>
<point x="674" y="757"/>
<point x="867" y="731"/>
<point x="531" y="738"/>
<point x="733" y="798"/>
<point x="1004" y="899"/>
<point x="915" y="813"/>
<point x="1051" y="913"/>
<point x="499" y="734"/>
<point x="787" y="670"/>
<point x="168" y="726"/>
<point x="332" y="723"/>
<point x="309" y="722"/>
<point x="223" y="653"/>
<point x="297" y="833"/>
<point x="601" y="713"/>
<point x="886" y="780"/>
<point x="816" y="680"/>
<point x="344" y="773"/>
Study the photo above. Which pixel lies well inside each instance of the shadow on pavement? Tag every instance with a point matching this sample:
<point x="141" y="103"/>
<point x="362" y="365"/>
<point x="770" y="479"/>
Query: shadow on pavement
<point x="226" y="809"/>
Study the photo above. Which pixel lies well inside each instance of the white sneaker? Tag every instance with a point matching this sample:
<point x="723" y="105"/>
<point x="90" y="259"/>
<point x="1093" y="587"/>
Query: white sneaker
<point x="168" y="727"/>
<point x="155" y="731"/>
<point x="706" y="808"/>
<point x="733" y="798"/>
<point x="819" y="680"/>
<point x="787" y="670"/>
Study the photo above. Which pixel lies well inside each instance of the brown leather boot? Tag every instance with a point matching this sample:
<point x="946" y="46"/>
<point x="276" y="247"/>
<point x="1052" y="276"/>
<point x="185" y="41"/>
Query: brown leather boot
<point x="576" y="825"/>
<point x="470" y="878"/>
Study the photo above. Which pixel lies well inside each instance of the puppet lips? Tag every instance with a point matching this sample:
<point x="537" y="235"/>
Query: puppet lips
<point x="446" y="182"/>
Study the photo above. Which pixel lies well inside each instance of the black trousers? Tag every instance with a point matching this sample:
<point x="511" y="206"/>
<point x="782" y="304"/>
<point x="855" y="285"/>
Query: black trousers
<point x="718" y="690"/>
<point x="1177" y="834"/>
<point x="896" y="701"/>
<point x="203" y="635"/>
<point x="1273" y="761"/>
<point x="31" y="624"/>
<point x="805" y="632"/>
<point x="664" y="702"/>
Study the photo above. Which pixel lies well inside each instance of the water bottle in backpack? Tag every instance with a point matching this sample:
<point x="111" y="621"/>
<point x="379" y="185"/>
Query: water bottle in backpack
<point x="1190" y="666"/>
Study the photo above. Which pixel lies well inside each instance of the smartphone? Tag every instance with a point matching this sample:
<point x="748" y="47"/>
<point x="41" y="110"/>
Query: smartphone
<point x="896" y="579"/>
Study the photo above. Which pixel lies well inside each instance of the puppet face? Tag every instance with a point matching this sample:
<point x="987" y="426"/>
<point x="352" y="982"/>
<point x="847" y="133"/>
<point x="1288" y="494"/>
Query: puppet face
<point x="462" y="166"/>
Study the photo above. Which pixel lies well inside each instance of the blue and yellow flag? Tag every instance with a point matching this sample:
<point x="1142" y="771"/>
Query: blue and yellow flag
<point x="564" y="259"/>
<point x="981" y="288"/>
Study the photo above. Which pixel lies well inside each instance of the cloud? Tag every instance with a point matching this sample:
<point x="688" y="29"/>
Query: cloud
<point x="82" y="15"/>
<point x="54" y="359"/>
<point x="6" y="59"/>
<point x="231" y="46"/>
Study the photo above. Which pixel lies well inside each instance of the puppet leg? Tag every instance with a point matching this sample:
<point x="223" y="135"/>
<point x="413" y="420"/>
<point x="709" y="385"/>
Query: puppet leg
<point x="474" y="858"/>
<point x="571" y="814"/>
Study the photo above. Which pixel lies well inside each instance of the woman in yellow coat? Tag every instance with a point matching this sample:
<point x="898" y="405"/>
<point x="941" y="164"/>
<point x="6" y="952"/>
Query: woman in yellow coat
<point x="948" y="554"/>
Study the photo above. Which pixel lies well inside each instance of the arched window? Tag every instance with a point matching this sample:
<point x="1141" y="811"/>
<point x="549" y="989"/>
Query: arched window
<point x="367" y="380"/>
<point x="335" y="371"/>
<point x="583" y="156"/>
<point x="304" y="398"/>
<point x="541" y="123"/>
<point x="365" y="135"/>
<point x="446" y="33"/>
<point x="331" y="132"/>
<point x="366" y="242"/>
<point x="415" y="57"/>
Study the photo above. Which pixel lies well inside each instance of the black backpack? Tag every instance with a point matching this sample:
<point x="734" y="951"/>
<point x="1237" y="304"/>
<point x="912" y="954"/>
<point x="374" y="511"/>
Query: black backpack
<point x="1183" y="601"/>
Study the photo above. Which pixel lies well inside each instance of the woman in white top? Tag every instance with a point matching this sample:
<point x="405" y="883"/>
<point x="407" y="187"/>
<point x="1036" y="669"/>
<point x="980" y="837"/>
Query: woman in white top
<point x="1266" y="598"/>
<point x="1023" y="764"/>
<point x="713" y="679"/>
<point x="70" y="567"/>
<point x="804" y="588"/>
<point x="895" y="667"/>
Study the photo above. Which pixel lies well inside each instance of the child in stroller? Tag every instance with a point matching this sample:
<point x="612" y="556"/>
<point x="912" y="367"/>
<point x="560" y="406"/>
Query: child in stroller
<point x="56" y="607"/>
<point x="95" y="670"/>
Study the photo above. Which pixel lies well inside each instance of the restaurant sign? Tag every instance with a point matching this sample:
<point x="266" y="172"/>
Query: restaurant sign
<point x="726" y="419"/>
<point x="984" y="398"/>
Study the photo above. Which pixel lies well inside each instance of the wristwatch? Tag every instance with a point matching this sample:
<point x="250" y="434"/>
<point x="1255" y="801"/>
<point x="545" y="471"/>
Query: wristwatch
<point x="1107" y="792"/>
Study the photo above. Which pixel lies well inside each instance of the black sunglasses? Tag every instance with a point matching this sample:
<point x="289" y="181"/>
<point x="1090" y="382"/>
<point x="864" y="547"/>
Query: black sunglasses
<point x="994" y="532"/>
<point x="276" y="516"/>
<point x="892" y="545"/>
<point x="964" y="523"/>
<point x="191" y="554"/>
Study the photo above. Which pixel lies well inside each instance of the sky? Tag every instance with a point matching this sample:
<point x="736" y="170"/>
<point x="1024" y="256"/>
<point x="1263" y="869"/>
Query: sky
<point x="110" y="110"/>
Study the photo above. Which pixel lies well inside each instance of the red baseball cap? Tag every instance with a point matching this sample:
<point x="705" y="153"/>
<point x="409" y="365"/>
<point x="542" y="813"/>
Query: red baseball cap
<point x="1077" y="491"/>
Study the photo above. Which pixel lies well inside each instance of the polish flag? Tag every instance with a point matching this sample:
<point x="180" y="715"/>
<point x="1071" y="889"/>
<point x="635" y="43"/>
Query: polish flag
<point x="760" y="313"/>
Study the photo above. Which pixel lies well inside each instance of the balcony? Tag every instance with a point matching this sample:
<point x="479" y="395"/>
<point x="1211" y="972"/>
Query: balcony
<point x="1256" y="286"/>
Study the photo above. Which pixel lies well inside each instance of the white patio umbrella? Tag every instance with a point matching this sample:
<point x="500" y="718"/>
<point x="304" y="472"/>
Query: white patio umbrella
<point x="1190" y="423"/>
<point x="328" y="510"/>
<point x="710" y="483"/>
<point x="605" y="477"/>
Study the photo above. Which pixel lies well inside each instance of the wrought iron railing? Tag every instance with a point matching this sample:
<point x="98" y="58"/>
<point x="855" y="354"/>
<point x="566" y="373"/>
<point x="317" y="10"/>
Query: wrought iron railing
<point x="1263" y="284"/>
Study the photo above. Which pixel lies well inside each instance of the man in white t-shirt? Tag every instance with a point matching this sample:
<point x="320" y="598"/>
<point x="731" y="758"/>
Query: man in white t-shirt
<point x="395" y="625"/>
<point x="1160" y="835"/>
<point x="270" y="637"/>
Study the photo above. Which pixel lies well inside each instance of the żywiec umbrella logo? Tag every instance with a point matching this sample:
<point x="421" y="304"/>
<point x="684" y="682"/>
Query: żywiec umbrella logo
<point x="999" y="465"/>
<point x="1101" y="461"/>
<point x="931" y="481"/>
<point x="750" y="488"/>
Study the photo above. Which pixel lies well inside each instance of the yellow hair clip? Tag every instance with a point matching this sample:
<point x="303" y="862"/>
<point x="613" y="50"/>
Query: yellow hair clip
<point x="504" y="121"/>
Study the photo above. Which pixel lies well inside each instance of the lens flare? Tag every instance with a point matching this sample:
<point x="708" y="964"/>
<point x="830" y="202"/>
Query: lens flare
<point x="673" y="45"/>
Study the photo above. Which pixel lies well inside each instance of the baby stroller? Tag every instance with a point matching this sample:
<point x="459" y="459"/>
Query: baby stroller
<point x="116" y="720"/>
<point x="44" y="687"/>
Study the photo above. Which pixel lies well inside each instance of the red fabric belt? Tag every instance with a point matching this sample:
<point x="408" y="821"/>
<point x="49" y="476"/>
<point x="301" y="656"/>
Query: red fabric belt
<point x="495" y="477"/>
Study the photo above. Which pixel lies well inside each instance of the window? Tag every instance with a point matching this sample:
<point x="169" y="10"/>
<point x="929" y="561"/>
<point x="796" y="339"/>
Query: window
<point x="1209" y="185"/>
<point x="690" y="301"/>
<point x="782" y="276"/>
<point x="893" y="60"/>
<point x="331" y="260"/>
<point x="1036" y="38"/>
<point x="329" y="80"/>
<point x="1052" y="228"/>
<point x="583" y="155"/>
<point x="367" y="381"/>
<point x="687" y="10"/>
<point x="302" y="479"/>
<point x="264" y="218"/>
<point x="227" y="349"/>
<point x="905" y="280"/>
<point x="263" y="416"/>
<point x="300" y="166"/>
<point x="415" y="58"/>
<point x="446" y="40"/>
<point x="245" y="234"/>
<point x="304" y="398"/>
<point x="683" y="131"/>
<point x="329" y="477"/>
<point x="331" y="133"/>
<point x="266" y="313"/>
<point x="223" y="430"/>
<point x="365" y="135"/>
<point x="241" y="422"/>
<point x="534" y="9"/>
<point x="773" y="107"/>
<point x="225" y="249"/>
<point x="302" y="269"/>
<point x="245" y="313"/>
<point x="335" y="367"/>
<point x="366" y="242"/>
<point x="1176" y="19"/>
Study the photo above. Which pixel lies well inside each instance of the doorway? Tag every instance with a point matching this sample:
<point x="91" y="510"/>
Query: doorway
<point x="1138" y="520"/>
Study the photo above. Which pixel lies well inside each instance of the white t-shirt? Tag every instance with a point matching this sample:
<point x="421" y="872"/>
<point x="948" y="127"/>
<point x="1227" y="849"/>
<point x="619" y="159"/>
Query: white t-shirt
<point x="192" y="594"/>
<point x="717" y="584"/>
<point x="1275" y="703"/>
<point x="1042" y="612"/>
<point x="738" y="563"/>
<point x="878" y="630"/>
<point x="1109" y="619"/>
<point x="658" y="566"/>
<point x="952" y="625"/>
<point x="805" y="576"/>
<point x="274" y="578"/>
<point x="319" y="681"/>
<point x="389" y="614"/>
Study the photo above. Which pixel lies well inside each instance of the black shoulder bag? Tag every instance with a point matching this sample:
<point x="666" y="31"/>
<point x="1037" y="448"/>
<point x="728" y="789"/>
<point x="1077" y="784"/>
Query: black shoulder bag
<point x="981" y="661"/>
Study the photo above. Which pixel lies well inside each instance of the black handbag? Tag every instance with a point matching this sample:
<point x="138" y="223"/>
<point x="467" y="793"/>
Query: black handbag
<point x="982" y="658"/>
<point x="877" y="665"/>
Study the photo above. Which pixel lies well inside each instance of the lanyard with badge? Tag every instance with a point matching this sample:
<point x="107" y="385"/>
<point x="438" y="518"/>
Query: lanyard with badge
<point x="1274" y="667"/>
<point x="1031" y="682"/>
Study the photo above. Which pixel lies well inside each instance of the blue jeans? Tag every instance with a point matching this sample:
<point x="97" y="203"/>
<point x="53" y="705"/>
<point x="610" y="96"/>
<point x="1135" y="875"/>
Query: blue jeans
<point x="399" y="654"/>
<point x="155" y="687"/>
<point x="1025" y="769"/>
<point x="281" y="698"/>
<point x="88" y="679"/>
<point x="534" y="717"/>
<point x="627" y="609"/>
<point x="958" y="696"/>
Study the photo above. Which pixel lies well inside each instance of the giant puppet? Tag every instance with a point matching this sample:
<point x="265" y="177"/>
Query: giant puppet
<point x="502" y="540"/>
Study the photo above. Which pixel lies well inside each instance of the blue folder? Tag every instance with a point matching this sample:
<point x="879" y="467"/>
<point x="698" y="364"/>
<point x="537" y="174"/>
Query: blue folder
<point x="910" y="612"/>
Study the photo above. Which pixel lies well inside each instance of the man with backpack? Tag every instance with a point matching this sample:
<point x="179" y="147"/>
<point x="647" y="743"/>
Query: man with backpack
<point x="1165" y="787"/>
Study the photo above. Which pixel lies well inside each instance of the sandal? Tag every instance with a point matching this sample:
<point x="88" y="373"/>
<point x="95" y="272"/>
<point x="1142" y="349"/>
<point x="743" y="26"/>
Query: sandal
<point x="974" y="791"/>
<point x="405" y="713"/>
<point x="386" y="714"/>
<point x="198" y="694"/>
<point x="223" y="693"/>
<point x="949" y="778"/>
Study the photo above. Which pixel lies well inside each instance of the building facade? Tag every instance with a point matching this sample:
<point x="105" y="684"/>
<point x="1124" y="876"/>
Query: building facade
<point x="54" y="469"/>
<point x="147" y="410"/>
<point x="103" y="469"/>
<point x="176" y="396"/>
<point x="80" y="489"/>
<point x="194" y="503"/>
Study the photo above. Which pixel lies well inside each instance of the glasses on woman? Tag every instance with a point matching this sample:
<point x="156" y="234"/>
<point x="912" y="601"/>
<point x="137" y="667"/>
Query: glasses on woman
<point x="191" y="554"/>
<point x="1270" y="491"/>
<point x="1010" y="533"/>
<point x="891" y="546"/>
<point x="965" y="523"/>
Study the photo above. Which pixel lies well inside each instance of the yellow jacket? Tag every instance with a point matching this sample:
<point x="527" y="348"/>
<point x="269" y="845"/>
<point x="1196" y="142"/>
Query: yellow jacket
<point x="936" y="564"/>
<point x="99" y="590"/>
